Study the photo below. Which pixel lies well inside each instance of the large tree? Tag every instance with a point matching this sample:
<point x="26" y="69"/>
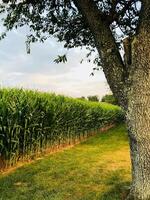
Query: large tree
<point x="103" y="25"/>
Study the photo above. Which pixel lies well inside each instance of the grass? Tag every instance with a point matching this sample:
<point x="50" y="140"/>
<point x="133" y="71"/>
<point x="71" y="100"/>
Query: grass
<point x="98" y="169"/>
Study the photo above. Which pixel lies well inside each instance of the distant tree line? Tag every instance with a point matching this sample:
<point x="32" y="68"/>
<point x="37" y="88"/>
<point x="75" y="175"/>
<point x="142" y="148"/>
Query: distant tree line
<point x="108" y="98"/>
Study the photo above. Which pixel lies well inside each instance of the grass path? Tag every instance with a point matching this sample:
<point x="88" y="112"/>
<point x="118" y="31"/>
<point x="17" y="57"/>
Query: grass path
<point x="98" y="169"/>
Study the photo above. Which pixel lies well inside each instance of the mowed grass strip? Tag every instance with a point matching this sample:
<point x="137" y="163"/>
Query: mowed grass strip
<point x="98" y="169"/>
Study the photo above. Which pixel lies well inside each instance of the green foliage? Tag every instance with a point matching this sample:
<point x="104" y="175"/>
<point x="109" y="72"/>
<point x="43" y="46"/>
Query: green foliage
<point x="93" y="98"/>
<point x="109" y="98"/>
<point x="31" y="122"/>
<point x="63" y="20"/>
<point x="81" y="98"/>
<point x="61" y="59"/>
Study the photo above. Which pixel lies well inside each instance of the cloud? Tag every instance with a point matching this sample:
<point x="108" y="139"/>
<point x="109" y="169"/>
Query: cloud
<point x="38" y="71"/>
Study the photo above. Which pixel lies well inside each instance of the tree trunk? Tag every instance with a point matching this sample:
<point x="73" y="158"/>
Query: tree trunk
<point x="131" y="85"/>
<point x="138" y="122"/>
<point x="138" y="115"/>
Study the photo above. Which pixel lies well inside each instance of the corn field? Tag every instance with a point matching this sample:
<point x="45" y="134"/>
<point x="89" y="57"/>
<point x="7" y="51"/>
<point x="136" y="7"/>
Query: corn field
<point x="32" y="122"/>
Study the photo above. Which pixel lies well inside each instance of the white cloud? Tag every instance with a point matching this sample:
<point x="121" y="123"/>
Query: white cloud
<point x="38" y="71"/>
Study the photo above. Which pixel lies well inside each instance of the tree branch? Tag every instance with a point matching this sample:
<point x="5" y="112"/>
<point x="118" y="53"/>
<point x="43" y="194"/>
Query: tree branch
<point x="122" y="12"/>
<point x="113" y="66"/>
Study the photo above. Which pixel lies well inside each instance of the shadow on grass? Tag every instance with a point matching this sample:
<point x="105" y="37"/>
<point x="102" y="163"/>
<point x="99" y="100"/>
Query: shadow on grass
<point x="117" y="187"/>
<point x="36" y="184"/>
<point x="118" y="191"/>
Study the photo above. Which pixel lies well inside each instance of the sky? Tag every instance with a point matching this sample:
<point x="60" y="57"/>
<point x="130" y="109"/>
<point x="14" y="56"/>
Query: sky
<point x="38" y="71"/>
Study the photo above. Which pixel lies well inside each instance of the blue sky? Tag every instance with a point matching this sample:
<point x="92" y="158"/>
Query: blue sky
<point x="38" y="71"/>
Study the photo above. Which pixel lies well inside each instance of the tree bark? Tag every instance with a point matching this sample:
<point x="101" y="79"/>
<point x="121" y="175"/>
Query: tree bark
<point x="131" y="85"/>
<point x="138" y="113"/>
<point x="138" y="121"/>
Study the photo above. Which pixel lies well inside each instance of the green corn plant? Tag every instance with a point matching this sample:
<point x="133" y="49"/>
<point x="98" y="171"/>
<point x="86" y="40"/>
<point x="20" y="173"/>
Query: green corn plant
<point x="32" y="122"/>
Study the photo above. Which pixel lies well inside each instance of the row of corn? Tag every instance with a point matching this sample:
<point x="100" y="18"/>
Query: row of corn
<point x="33" y="122"/>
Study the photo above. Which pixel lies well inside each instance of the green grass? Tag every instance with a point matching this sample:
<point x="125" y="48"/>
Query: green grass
<point x="98" y="169"/>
